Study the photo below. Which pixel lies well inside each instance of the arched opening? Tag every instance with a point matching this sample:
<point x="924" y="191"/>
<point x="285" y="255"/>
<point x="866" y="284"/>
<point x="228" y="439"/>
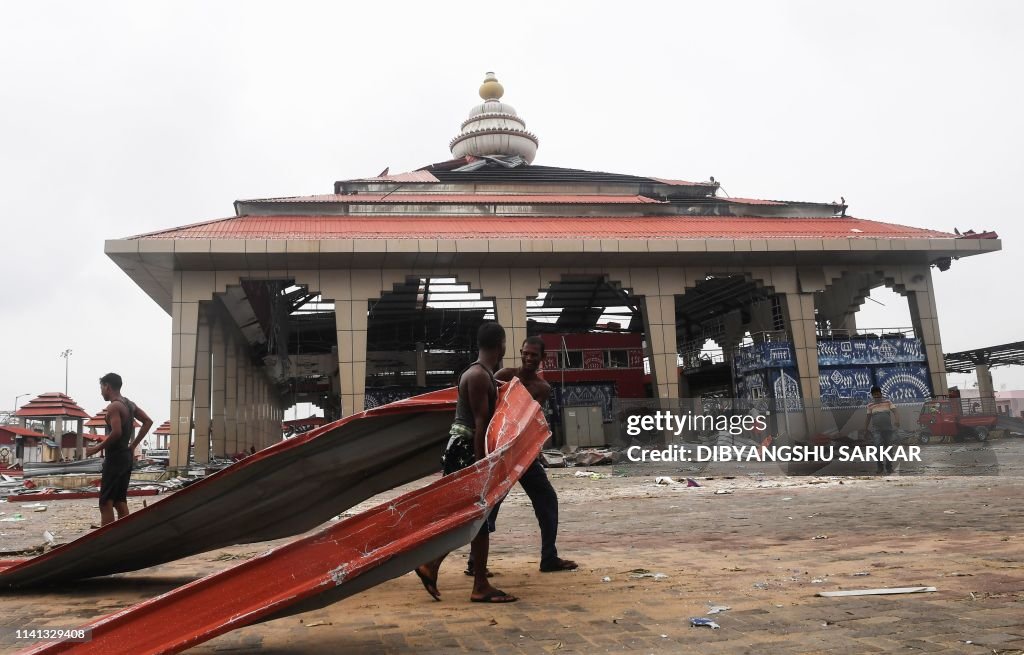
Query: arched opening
<point x="594" y="337"/>
<point x="420" y="335"/>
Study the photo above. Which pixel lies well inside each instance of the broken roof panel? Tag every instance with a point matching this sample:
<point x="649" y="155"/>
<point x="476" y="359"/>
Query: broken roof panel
<point x="324" y="471"/>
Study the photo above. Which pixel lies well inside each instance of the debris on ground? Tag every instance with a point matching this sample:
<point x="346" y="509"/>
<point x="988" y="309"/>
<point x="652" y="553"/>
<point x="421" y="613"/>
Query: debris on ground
<point x="700" y="621"/>
<point x="637" y="574"/>
<point x="552" y="459"/>
<point x="819" y="536"/>
<point x="722" y="492"/>
<point x="717" y="609"/>
<point x="876" y="592"/>
<point x="606" y="579"/>
<point x="12" y="518"/>
<point x="574" y="456"/>
<point x="590" y="474"/>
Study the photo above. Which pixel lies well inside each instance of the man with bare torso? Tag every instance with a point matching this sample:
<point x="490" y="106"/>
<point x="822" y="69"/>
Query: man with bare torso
<point x="467" y="444"/>
<point x="119" y="447"/>
<point x="534" y="481"/>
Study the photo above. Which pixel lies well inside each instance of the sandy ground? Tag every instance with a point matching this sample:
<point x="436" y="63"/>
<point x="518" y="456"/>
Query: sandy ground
<point x="652" y="556"/>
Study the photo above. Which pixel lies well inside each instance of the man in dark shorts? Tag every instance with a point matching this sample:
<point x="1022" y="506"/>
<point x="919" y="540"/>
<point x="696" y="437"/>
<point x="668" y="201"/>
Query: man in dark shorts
<point x="478" y="394"/>
<point x="535" y="481"/>
<point x="119" y="447"/>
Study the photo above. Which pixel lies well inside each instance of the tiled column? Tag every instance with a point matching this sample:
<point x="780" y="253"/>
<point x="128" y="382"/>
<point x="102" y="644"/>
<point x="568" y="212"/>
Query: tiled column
<point x="659" y="287"/>
<point x="230" y="394"/>
<point x="242" y="415"/>
<point x="509" y="308"/>
<point x="218" y="388"/>
<point x="804" y="334"/>
<point x="201" y="451"/>
<point x="264" y="413"/>
<point x="925" y="317"/>
<point x="184" y="327"/>
<point x="351" y="292"/>
<point x="250" y="402"/>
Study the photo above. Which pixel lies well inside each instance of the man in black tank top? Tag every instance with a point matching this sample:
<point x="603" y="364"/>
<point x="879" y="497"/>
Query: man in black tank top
<point x="467" y="444"/>
<point x="118" y="448"/>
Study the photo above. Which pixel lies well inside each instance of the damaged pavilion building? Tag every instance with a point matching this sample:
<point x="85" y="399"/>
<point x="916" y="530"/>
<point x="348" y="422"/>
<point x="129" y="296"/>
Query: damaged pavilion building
<point x="374" y="292"/>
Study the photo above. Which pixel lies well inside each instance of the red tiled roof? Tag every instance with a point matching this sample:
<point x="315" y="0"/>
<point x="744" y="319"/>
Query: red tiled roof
<point x="467" y="198"/>
<point x="617" y="227"/>
<point x="165" y="428"/>
<point x="20" y="431"/>
<point x="100" y="421"/>
<point x="51" y="404"/>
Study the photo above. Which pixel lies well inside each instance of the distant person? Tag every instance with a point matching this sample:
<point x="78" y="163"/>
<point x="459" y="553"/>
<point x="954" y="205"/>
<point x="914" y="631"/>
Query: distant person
<point x="118" y="448"/>
<point x="467" y="444"/>
<point x="882" y="421"/>
<point x="535" y="481"/>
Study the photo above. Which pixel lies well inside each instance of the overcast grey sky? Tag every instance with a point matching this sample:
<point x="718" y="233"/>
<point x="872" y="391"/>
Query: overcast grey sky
<point x="119" y="118"/>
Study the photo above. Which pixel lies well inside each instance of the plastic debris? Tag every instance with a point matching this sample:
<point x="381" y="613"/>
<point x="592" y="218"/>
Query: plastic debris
<point x="50" y="539"/>
<point x="664" y="479"/>
<point x="722" y="492"/>
<point x="690" y="482"/>
<point x="12" y="518"/>
<point x="820" y="536"/>
<point x="589" y="474"/>
<point x="606" y="579"/>
<point x="717" y="609"/>
<point x="700" y="621"/>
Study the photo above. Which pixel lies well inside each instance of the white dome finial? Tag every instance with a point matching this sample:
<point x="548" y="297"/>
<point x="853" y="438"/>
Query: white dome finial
<point x="493" y="128"/>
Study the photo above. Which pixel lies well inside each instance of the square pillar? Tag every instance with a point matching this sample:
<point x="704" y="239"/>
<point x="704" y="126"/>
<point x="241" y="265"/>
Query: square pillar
<point x="218" y="389"/>
<point x="184" y="332"/>
<point x="241" y="412"/>
<point x="659" y="288"/>
<point x="509" y="309"/>
<point x="803" y="332"/>
<point x="201" y="450"/>
<point x="351" y="291"/>
<point x="230" y="394"/>
<point x="925" y="318"/>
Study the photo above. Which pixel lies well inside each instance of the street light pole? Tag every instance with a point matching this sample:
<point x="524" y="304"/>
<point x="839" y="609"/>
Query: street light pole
<point x="17" y="398"/>
<point x="67" y="357"/>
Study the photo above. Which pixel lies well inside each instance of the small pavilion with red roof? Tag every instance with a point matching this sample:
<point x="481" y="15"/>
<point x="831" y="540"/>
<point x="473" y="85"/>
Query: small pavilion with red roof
<point x="377" y="288"/>
<point x="53" y="411"/>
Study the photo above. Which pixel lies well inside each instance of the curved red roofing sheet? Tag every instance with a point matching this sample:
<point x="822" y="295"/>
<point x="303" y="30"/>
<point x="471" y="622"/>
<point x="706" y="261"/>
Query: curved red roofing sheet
<point x="533" y="227"/>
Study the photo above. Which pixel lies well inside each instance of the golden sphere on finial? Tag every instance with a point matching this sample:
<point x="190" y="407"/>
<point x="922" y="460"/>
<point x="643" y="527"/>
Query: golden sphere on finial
<point x="491" y="89"/>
